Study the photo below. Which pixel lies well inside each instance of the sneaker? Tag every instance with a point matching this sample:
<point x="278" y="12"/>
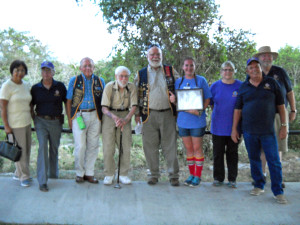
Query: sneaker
<point x="108" y="180"/>
<point x="44" y="188"/>
<point x="217" y="183"/>
<point x="152" y="181"/>
<point x="17" y="178"/>
<point x="125" y="180"/>
<point x="25" y="183"/>
<point x="174" y="182"/>
<point x="281" y="199"/>
<point x="256" y="191"/>
<point x="188" y="181"/>
<point x="195" y="182"/>
<point x="231" y="184"/>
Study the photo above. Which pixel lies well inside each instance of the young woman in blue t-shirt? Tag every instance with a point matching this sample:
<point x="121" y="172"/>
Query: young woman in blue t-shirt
<point x="192" y="123"/>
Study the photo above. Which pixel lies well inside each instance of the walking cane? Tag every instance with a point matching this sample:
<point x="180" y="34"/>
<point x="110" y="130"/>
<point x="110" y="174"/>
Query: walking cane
<point x="119" y="163"/>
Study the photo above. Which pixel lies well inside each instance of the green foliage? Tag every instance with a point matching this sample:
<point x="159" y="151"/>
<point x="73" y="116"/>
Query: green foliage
<point x="182" y="28"/>
<point x="289" y="59"/>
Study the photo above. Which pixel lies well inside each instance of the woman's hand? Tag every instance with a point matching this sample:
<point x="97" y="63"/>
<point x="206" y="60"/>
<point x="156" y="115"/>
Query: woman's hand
<point x="172" y="97"/>
<point x="194" y="112"/>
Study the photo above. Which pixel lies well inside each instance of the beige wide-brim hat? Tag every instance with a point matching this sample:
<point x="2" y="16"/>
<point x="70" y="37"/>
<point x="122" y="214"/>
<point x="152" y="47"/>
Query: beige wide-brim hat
<point x="266" y="49"/>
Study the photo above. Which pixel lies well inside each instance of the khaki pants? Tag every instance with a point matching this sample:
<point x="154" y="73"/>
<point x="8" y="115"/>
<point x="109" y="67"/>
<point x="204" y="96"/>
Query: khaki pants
<point x="160" y="130"/>
<point x="23" y="137"/>
<point x="282" y="144"/>
<point x="86" y="144"/>
<point x="111" y="137"/>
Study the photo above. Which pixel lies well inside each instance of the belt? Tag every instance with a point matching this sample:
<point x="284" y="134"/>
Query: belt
<point x="49" y="117"/>
<point x="119" y="110"/>
<point x="160" y="110"/>
<point x="87" y="110"/>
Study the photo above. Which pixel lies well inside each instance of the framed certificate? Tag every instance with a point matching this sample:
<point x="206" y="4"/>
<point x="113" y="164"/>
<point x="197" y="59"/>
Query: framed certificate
<point x="189" y="99"/>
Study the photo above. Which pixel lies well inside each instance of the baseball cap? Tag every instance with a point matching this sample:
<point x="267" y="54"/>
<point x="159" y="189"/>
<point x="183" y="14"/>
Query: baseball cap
<point x="47" y="64"/>
<point x="251" y="60"/>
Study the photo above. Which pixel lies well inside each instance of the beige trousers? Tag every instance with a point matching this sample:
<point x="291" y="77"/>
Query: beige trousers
<point x="160" y="130"/>
<point x="111" y="138"/>
<point x="23" y="137"/>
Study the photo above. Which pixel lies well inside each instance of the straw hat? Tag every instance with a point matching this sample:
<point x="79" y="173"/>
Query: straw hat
<point x="266" y="49"/>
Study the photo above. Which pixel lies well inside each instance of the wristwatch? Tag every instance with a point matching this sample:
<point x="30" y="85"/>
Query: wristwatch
<point x="284" y="124"/>
<point x="294" y="111"/>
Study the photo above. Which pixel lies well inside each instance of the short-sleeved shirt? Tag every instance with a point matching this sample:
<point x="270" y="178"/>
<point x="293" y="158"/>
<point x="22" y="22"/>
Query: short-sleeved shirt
<point x="223" y="99"/>
<point x="49" y="101"/>
<point x="188" y="120"/>
<point x="280" y="75"/>
<point x="88" y="100"/>
<point x="18" y="107"/>
<point x="158" y="90"/>
<point x="258" y="105"/>
<point x="113" y="98"/>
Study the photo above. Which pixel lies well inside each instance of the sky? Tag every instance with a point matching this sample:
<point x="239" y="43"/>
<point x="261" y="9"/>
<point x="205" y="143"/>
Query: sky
<point x="73" y="31"/>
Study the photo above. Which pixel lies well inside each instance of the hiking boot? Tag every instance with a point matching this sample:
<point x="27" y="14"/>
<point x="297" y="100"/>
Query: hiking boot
<point x="152" y="181"/>
<point x="231" y="184"/>
<point x="256" y="191"/>
<point x="217" y="183"/>
<point x="195" y="182"/>
<point x="188" y="181"/>
<point x="281" y="199"/>
<point x="174" y="182"/>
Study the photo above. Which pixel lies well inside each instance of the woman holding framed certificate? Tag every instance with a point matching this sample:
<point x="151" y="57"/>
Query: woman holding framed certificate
<point x="193" y="97"/>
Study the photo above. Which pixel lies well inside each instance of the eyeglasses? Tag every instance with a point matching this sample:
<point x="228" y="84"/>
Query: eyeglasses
<point x="227" y="70"/>
<point x="19" y="70"/>
<point x="124" y="76"/>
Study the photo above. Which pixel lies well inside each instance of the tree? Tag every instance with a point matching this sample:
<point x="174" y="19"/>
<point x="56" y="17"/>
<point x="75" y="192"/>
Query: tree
<point x="288" y="58"/>
<point x="181" y="28"/>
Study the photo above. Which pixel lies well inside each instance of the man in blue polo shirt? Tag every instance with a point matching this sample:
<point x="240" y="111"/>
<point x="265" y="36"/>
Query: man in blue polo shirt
<point x="258" y="99"/>
<point x="84" y="117"/>
<point x="47" y="98"/>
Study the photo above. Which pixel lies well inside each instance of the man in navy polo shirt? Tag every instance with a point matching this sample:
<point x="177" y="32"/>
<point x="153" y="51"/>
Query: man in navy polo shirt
<point x="47" y="98"/>
<point x="258" y="98"/>
<point x="266" y="57"/>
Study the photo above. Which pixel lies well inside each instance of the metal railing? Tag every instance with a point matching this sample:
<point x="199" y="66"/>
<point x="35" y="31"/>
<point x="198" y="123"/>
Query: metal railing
<point x="67" y="130"/>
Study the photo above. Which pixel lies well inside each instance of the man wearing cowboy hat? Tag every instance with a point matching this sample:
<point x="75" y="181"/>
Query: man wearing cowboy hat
<point x="266" y="57"/>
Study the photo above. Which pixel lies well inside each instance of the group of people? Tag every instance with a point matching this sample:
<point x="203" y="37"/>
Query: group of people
<point x="247" y="108"/>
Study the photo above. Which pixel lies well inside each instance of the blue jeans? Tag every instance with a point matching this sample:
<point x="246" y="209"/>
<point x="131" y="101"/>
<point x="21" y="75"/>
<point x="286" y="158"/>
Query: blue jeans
<point x="254" y="144"/>
<point x="47" y="131"/>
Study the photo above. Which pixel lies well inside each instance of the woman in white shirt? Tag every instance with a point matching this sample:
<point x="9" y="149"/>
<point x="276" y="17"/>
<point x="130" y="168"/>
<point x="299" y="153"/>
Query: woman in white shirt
<point x="15" y="101"/>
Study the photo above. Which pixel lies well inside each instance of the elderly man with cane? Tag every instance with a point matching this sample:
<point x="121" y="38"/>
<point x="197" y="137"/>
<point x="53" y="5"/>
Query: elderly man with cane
<point x="119" y="103"/>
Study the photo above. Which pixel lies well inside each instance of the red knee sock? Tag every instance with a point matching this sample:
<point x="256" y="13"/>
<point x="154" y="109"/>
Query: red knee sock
<point x="199" y="166"/>
<point x="191" y="164"/>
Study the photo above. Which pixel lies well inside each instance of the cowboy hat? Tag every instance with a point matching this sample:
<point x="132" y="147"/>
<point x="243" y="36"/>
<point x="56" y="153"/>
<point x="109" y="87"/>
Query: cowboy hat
<point x="266" y="49"/>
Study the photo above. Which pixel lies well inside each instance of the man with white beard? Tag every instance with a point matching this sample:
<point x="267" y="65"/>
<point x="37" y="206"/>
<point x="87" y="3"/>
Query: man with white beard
<point x="119" y="103"/>
<point x="155" y="86"/>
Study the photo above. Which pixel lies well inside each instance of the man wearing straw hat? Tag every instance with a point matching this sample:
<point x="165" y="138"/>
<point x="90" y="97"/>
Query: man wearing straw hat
<point x="266" y="57"/>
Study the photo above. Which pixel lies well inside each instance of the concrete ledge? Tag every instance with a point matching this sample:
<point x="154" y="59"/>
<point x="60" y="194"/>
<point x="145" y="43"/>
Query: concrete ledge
<point x="70" y="203"/>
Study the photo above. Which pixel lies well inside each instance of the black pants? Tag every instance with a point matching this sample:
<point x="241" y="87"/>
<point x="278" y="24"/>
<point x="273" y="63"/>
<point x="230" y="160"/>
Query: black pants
<point x="222" y="145"/>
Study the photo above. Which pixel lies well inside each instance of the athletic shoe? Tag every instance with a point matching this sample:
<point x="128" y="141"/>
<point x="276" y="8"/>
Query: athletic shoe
<point x="256" y="191"/>
<point x="108" y="180"/>
<point x="17" y="178"/>
<point x="125" y="180"/>
<point x="195" y="182"/>
<point x="217" y="183"/>
<point x="188" y="181"/>
<point x="25" y="183"/>
<point x="231" y="184"/>
<point x="281" y="199"/>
